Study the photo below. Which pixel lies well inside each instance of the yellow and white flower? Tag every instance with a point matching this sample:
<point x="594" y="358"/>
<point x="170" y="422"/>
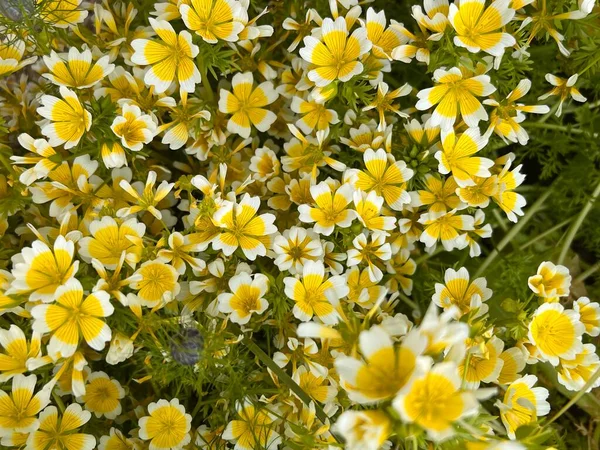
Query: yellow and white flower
<point x="63" y="14"/>
<point x="400" y="267"/>
<point x="482" y="363"/>
<point x="445" y="228"/>
<point x="335" y="56"/>
<point x="575" y="373"/>
<point x="255" y="428"/>
<point x="294" y="247"/>
<point x="316" y="387"/>
<point x="556" y="332"/>
<point x="156" y="283"/>
<point x="247" y="104"/>
<point x="145" y="196"/>
<point x="363" y="430"/>
<point x="67" y="119"/>
<point x="77" y="71"/>
<point x="563" y="89"/>
<point x="458" y="292"/>
<point x="384" y="38"/>
<point x="171" y="59"/>
<point x="246" y="297"/>
<point x="178" y="253"/>
<point x="331" y="209"/>
<point x="134" y="128"/>
<point x="523" y="404"/>
<point x="17" y="350"/>
<point x="368" y="209"/>
<point x="514" y="362"/>
<point x="167" y="425"/>
<point x="363" y="291"/>
<point x="589" y="315"/>
<point x="434" y="399"/>
<point x="384" y="368"/>
<point x="478" y="29"/>
<point x="61" y="432"/>
<point x="39" y="270"/>
<point x="314" y="294"/>
<point x="550" y="280"/>
<point x="508" y="180"/>
<point x="109" y="239"/>
<point x="19" y="410"/>
<point x="116" y="440"/>
<point x="11" y="55"/>
<point x="213" y="19"/>
<point x="456" y="156"/>
<point x="315" y="114"/>
<point x="455" y="96"/>
<point x="264" y="164"/>
<point x="71" y="318"/>
<point x="369" y="253"/>
<point x="102" y="395"/>
<point x="439" y="195"/>
<point x="241" y="226"/>
<point x="43" y="161"/>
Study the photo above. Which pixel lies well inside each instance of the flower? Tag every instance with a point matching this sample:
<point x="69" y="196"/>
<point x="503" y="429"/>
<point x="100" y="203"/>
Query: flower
<point x="363" y="291"/>
<point x="384" y="369"/>
<point x="383" y="39"/>
<point x="67" y="119"/>
<point x="102" y="395"/>
<point x="110" y="239"/>
<point x="456" y="156"/>
<point x="254" y="429"/>
<point x="589" y="315"/>
<point x="121" y="349"/>
<point x="439" y="194"/>
<point x="71" y="317"/>
<point x="477" y="29"/>
<point x="145" y="196"/>
<point x="335" y="55"/>
<point x="167" y="426"/>
<point x="455" y="95"/>
<point x="556" y="332"/>
<point x="363" y="430"/>
<point x="77" y="71"/>
<point x="365" y="252"/>
<point x="522" y="404"/>
<point x="264" y="164"/>
<point x="514" y="363"/>
<point x="563" y="88"/>
<point x="445" y="227"/>
<point x="39" y="271"/>
<point x="294" y="247"/>
<point x="117" y="441"/>
<point x="331" y="208"/>
<point x="61" y="433"/>
<point x="575" y="373"/>
<point x="434" y="400"/>
<point x="458" y="292"/>
<point x="550" y="281"/>
<point x="509" y="201"/>
<point x="242" y="227"/>
<point x="214" y="19"/>
<point x="63" y="14"/>
<point x="113" y="155"/>
<point x="316" y="387"/>
<point x="401" y="266"/>
<point x="13" y="361"/>
<point x="11" y="55"/>
<point x="18" y="412"/>
<point x="314" y="114"/>
<point x="171" y="58"/>
<point x="156" y="283"/>
<point x="246" y="297"/>
<point x="384" y="102"/>
<point x="43" y="160"/>
<point x="482" y="363"/>
<point x="246" y="104"/>
<point x="368" y="210"/>
<point x="134" y="128"/>
<point x="314" y="294"/>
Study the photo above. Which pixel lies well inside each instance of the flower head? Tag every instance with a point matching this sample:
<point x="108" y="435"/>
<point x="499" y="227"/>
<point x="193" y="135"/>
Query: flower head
<point x="254" y="428"/>
<point x="458" y="292"/>
<point x="363" y="430"/>
<point x="167" y="426"/>
<point x="19" y="410"/>
<point x="102" y="395"/>
<point x="550" y="281"/>
<point x="134" y="128"/>
<point x="77" y="71"/>
<point x="331" y="209"/>
<point x="17" y="351"/>
<point x="246" y="297"/>
<point x="214" y="19"/>
<point x="60" y="431"/>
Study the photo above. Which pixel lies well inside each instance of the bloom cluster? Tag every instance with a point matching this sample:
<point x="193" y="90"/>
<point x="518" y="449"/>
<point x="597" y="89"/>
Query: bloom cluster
<point x="214" y="217"/>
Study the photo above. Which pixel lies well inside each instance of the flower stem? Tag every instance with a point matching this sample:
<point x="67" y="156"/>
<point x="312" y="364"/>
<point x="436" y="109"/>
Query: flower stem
<point x="546" y="233"/>
<point x="577" y="224"/>
<point x="576" y="397"/>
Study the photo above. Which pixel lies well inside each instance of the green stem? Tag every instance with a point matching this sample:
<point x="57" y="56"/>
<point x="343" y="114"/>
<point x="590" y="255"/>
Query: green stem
<point x="578" y="222"/>
<point x="583" y="275"/>
<point x="546" y="233"/>
<point x="408" y="301"/>
<point x="59" y="402"/>
<point x="514" y="231"/>
<point x="550" y="126"/>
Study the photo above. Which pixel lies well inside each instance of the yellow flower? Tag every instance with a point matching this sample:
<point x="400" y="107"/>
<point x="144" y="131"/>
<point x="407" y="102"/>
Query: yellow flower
<point x="458" y="292"/>
<point x="145" y="196"/>
<point x="246" y="297"/>
<point x="67" y="119"/>
<point x="401" y="266"/>
<point x="439" y="195"/>
<point x="315" y="114"/>
<point x="335" y="55"/>
<point x="331" y="208"/>
<point x="171" y="59"/>
<point x="13" y="361"/>
<point x="116" y="440"/>
<point x="384" y="39"/>
<point x="574" y="373"/>
<point x="167" y="426"/>
<point x="364" y="430"/>
<point x="457" y="157"/>
<point x="242" y="227"/>
<point x="156" y="283"/>
<point x="102" y="395"/>
<point x="113" y="155"/>
<point x="77" y="71"/>
<point x="563" y="89"/>
<point x="514" y="362"/>
<point x="483" y="363"/>
<point x="368" y="210"/>
<point x="264" y="164"/>
<point x="550" y="281"/>
<point x="294" y="247"/>
<point x="508" y="180"/>
<point x="71" y="317"/>
<point x="110" y="239"/>
<point x="556" y="332"/>
<point x="384" y="102"/>
<point x="254" y="429"/>
<point x="247" y="104"/>
<point x="315" y="294"/>
<point x="478" y="195"/>
<point x="134" y="128"/>
<point x="214" y="19"/>
<point x="62" y="13"/>
<point x="11" y="54"/>
<point x="316" y="387"/>
<point x="455" y="95"/>
<point x="61" y="433"/>
<point x="445" y="227"/>
<point x="362" y="290"/>
<point x="43" y="161"/>
<point x="384" y="175"/>
<point x="18" y="412"/>
<point x="369" y="253"/>
<point x="477" y="29"/>
<point x="179" y="251"/>
<point x="434" y="400"/>
<point x="522" y="404"/>
<point x="384" y="369"/>
<point x="589" y="315"/>
<point x="41" y="270"/>
<point x="366" y="136"/>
